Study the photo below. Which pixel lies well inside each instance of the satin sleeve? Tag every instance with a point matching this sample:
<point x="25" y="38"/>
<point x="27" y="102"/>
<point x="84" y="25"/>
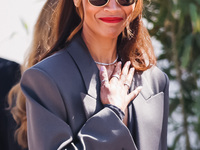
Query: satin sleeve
<point x="163" y="139"/>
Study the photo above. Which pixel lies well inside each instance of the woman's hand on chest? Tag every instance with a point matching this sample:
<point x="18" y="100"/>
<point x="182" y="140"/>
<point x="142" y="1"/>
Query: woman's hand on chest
<point x="114" y="91"/>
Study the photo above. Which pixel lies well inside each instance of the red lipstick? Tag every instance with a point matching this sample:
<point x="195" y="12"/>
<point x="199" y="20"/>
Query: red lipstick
<point x="111" y="19"/>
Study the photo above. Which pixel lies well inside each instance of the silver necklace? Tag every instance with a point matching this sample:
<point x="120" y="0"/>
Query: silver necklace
<point x="107" y="64"/>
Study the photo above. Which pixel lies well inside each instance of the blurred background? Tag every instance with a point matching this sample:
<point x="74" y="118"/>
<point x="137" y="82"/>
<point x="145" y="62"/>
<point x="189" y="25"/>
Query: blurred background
<point x="174" y="26"/>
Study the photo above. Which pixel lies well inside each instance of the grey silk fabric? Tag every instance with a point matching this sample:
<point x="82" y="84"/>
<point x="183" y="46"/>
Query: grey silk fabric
<point x="64" y="109"/>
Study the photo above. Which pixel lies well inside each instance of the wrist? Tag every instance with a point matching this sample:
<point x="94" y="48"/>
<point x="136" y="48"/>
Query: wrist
<point x="117" y="110"/>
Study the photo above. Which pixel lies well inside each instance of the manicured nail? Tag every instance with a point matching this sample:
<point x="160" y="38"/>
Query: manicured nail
<point x="140" y="88"/>
<point x="128" y="62"/>
<point x="102" y="68"/>
<point x="132" y="69"/>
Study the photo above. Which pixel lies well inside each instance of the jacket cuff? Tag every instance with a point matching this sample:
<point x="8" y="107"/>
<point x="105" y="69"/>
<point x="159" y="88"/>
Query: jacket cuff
<point x="117" y="110"/>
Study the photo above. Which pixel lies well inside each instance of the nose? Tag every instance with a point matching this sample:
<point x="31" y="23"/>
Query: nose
<point x="112" y="5"/>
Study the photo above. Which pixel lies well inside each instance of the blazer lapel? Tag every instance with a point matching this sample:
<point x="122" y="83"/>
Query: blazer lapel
<point x="91" y="105"/>
<point x="148" y="113"/>
<point x="90" y="73"/>
<point x="140" y="80"/>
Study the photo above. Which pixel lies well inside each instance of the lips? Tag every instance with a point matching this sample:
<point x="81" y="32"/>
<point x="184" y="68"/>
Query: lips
<point x="111" y="19"/>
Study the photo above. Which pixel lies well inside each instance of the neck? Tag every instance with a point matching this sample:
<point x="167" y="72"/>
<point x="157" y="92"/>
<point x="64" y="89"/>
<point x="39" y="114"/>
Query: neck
<point x="102" y="49"/>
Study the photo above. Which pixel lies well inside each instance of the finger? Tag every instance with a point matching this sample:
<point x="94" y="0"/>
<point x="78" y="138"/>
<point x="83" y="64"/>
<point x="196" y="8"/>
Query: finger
<point x="129" y="78"/>
<point x="116" y="73"/>
<point x="125" y="70"/>
<point x="103" y="76"/>
<point x="134" y="93"/>
<point x="127" y="86"/>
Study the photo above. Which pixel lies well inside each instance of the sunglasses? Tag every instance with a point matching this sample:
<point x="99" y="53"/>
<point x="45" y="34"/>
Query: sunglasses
<point x="101" y="3"/>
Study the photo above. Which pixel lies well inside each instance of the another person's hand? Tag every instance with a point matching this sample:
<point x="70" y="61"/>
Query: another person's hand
<point x="115" y="90"/>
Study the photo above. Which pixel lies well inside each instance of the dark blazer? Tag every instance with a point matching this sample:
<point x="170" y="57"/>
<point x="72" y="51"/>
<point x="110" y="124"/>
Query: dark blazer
<point x="64" y="110"/>
<point x="9" y="76"/>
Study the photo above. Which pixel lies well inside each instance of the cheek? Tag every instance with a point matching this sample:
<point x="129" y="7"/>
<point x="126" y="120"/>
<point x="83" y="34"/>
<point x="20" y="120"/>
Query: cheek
<point x="129" y="10"/>
<point x="89" y="12"/>
<point x="86" y="9"/>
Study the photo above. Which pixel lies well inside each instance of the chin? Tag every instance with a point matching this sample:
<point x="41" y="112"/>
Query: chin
<point x="111" y="34"/>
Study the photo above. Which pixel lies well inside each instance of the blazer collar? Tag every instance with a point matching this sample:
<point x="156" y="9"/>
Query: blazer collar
<point x="140" y="79"/>
<point x="88" y="69"/>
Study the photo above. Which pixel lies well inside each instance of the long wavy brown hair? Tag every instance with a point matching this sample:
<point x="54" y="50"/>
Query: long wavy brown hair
<point x="43" y="39"/>
<point x="134" y="42"/>
<point x="58" y="22"/>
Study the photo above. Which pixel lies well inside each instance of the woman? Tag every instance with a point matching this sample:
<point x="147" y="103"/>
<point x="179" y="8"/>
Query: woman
<point x="84" y="93"/>
<point x="43" y="39"/>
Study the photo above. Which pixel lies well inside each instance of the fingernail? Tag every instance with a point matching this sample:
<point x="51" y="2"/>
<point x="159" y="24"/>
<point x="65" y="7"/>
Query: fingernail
<point x="102" y="68"/>
<point x="132" y="69"/>
<point x="128" y="62"/>
<point x="139" y="87"/>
